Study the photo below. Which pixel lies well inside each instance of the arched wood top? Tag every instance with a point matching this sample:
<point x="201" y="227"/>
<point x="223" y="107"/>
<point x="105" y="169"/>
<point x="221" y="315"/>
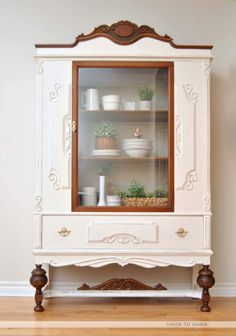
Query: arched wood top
<point x="123" y="33"/>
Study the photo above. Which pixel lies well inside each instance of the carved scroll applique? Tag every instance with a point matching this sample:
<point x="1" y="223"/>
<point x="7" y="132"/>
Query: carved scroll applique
<point x="179" y="136"/>
<point x="207" y="203"/>
<point x="38" y="201"/>
<point x="54" y="94"/>
<point x="122" y="238"/>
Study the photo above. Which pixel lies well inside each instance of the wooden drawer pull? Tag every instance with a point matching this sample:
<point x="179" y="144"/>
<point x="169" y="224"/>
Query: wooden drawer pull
<point x="181" y="232"/>
<point x="64" y="232"/>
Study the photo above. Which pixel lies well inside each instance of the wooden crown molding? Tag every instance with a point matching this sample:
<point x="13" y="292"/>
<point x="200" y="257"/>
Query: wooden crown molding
<point x="123" y="33"/>
<point x="122" y="284"/>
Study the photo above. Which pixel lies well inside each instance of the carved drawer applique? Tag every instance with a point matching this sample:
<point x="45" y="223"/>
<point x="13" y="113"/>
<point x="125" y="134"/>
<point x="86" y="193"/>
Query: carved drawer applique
<point x="123" y="234"/>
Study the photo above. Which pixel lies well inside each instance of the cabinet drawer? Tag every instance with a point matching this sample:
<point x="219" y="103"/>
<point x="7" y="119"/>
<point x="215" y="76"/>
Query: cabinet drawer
<point x="64" y="232"/>
<point x="182" y="233"/>
<point x="71" y="232"/>
<point x="122" y="232"/>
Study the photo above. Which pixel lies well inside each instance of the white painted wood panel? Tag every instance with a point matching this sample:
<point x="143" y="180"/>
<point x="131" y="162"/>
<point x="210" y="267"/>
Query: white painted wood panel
<point x="191" y="148"/>
<point x="57" y="135"/>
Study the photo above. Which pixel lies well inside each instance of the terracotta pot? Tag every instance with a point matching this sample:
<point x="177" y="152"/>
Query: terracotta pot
<point x="105" y="143"/>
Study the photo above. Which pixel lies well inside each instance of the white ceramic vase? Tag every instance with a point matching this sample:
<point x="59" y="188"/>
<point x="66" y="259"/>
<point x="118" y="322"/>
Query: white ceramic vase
<point x="102" y="198"/>
<point x="145" y="105"/>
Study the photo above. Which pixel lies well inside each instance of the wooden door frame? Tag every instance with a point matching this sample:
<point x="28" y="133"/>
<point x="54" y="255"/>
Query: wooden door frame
<point x="75" y="84"/>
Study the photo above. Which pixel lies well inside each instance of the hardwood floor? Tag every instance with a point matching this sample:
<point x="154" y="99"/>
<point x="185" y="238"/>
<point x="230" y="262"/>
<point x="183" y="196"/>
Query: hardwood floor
<point x="100" y="317"/>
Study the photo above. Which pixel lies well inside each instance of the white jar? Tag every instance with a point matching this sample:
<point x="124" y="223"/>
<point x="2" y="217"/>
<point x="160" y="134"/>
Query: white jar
<point x="145" y="105"/>
<point x="89" y="196"/>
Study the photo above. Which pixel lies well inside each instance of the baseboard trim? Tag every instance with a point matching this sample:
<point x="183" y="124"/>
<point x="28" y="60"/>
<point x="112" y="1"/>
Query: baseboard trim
<point x="16" y="288"/>
<point x="24" y="289"/>
<point x="224" y="289"/>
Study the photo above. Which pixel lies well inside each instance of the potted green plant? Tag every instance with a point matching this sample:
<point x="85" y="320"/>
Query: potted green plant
<point x="105" y="135"/>
<point x="145" y="95"/>
<point x="136" y="196"/>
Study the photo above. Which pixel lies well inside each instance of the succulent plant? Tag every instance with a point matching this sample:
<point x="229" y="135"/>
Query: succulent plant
<point x="145" y="93"/>
<point x="160" y="193"/>
<point x="105" y="129"/>
<point x="137" y="190"/>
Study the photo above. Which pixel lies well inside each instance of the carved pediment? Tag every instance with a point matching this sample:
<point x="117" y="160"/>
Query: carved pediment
<point x="123" y="33"/>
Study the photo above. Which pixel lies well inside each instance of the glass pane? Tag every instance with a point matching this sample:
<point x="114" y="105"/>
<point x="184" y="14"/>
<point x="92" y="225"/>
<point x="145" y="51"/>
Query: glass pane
<point x="123" y="137"/>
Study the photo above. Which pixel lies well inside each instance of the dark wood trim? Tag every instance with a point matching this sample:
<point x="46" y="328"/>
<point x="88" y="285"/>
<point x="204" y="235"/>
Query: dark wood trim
<point x="122" y="284"/>
<point x="124" y="33"/>
<point x="120" y="64"/>
<point x="171" y="123"/>
<point x="74" y="136"/>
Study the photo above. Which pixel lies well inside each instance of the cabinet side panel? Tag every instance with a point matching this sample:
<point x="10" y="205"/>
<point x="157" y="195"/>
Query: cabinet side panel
<point x="191" y="153"/>
<point x="57" y="136"/>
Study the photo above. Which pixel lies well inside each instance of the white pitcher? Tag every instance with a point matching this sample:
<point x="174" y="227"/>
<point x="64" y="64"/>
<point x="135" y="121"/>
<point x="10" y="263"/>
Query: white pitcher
<point x="90" y="100"/>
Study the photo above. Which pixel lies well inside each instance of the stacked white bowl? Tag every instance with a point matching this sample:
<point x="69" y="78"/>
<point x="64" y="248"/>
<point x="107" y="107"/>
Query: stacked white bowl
<point x="111" y="102"/>
<point x="137" y="147"/>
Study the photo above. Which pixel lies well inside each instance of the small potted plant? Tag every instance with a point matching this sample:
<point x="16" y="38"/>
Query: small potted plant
<point x="105" y="136"/>
<point x="136" y="196"/>
<point x="145" y="96"/>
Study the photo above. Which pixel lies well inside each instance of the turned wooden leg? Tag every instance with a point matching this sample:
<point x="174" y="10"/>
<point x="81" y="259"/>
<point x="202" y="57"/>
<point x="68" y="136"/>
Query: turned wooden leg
<point x="38" y="280"/>
<point x="205" y="280"/>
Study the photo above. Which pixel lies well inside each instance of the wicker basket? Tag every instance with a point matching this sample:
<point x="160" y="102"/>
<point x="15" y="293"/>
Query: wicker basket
<point x="105" y="143"/>
<point x="145" y="202"/>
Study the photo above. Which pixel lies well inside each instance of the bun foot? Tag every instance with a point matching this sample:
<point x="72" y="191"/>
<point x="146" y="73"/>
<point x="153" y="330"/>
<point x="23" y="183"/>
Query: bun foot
<point x="38" y="308"/>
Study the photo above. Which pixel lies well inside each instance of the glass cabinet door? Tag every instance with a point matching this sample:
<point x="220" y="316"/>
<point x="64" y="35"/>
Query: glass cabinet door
<point x="123" y="136"/>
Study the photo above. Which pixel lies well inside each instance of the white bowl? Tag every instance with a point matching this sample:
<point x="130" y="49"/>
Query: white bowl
<point x="137" y="153"/>
<point x="137" y="143"/>
<point x="111" y="98"/>
<point x="137" y="147"/>
<point x="138" y="140"/>
<point x="113" y="200"/>
<point x="112" y="106"/>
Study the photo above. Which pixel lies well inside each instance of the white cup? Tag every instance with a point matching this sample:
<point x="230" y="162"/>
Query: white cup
<point x="90" y="100"/>
<point x="89" y="196"/>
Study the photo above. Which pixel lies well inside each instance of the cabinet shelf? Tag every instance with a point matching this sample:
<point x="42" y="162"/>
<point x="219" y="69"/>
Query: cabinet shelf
<point x="122" y="115"/>
<point x="125" y="159"/>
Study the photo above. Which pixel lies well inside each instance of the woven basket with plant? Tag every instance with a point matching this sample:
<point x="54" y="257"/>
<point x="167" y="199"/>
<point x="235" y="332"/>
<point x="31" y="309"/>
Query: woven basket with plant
<point x="105" y="136"/>
<point x="136" y="196"/>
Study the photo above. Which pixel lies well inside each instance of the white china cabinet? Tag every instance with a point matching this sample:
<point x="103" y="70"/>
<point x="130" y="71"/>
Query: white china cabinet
<point x="123" y="159"/>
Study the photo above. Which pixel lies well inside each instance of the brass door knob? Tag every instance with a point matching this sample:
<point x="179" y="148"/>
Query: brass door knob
<point x="64" y="232"/>
<point x="181" y="232"/>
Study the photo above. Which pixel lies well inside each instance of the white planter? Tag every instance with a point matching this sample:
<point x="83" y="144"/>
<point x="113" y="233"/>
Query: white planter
<point x="102" y="199"/>
<point x="145" y="105"/>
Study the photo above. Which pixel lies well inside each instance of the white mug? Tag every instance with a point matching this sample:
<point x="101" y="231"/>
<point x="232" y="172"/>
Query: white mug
<point x="89" y="196"/>
<point x="89" y="99"/>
